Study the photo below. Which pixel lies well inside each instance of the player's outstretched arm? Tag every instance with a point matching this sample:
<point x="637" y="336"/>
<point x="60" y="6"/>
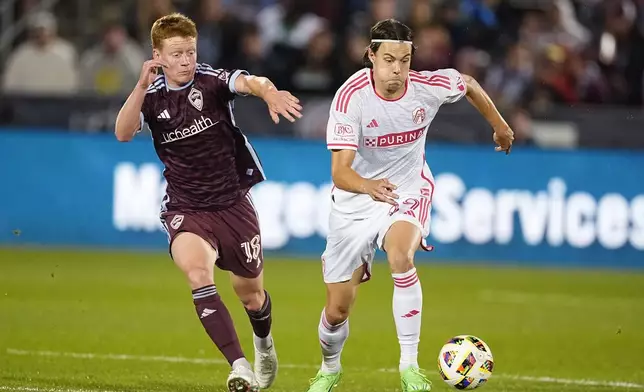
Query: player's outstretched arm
<point x="128" y="121"/>
<point x="345" y="178"/>
<point x="279" y="102"/>
<point x="503" y="135"/>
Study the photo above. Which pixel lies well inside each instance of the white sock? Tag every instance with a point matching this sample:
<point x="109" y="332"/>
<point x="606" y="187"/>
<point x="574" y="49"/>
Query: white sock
<point x="263" y="344"/>
<point x="407" y="307"/>
<point x="332" y="338"/>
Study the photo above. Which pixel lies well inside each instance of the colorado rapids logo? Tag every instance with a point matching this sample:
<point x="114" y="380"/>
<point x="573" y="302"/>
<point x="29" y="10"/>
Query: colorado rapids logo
<point x="176" y="221"/>
<point x="196" y="98"/>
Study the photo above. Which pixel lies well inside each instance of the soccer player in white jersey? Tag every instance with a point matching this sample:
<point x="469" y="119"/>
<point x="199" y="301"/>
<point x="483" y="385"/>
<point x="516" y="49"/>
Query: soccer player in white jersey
<point x="383" y="188"/>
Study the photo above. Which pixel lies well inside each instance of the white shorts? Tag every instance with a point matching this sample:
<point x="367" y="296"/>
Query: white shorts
<point x="352" y="243"/>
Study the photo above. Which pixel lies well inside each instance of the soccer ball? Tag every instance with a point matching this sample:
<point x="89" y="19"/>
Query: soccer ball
<point x="465" y="362"/>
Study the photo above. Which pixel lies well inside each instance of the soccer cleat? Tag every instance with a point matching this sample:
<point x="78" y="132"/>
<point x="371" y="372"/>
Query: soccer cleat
<point x="242" y="379"/>
<point x="412" y="379"/>
<point x="265" y="366"/>
<point x="324" y="382"/>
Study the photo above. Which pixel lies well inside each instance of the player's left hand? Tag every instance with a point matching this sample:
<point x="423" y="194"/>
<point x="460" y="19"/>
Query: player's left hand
<point x="503" y="137"/>
<point x="282" y="102"/>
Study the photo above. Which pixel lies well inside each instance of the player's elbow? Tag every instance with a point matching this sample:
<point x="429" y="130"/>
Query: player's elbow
<point x="342" y="181"/>
<point x="123" y="136"/>
<point x="338" y="184"/>
<point x="336" y="176"/>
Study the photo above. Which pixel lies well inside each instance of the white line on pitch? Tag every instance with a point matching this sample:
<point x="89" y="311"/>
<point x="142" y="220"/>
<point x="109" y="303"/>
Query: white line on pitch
<point x="173" y="359"/>
<point x="590" y="383"/>
<point x="143" y="358"/>
<point x="38" y="389"/>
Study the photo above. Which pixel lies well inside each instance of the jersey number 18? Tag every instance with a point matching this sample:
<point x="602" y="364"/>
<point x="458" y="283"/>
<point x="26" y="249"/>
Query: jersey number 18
<point x="252" y="249"/>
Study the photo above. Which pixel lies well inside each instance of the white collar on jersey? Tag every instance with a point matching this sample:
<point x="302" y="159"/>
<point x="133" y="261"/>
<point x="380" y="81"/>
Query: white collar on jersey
<point x="168" y="88"/>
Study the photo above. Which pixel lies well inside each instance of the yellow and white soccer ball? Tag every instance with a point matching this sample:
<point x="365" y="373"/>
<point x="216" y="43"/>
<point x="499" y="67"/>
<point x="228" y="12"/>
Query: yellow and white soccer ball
<point x="465" y="362"/>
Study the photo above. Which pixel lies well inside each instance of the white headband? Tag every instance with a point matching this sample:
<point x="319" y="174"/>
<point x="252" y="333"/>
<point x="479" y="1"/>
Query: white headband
<point x="395" y="41"/>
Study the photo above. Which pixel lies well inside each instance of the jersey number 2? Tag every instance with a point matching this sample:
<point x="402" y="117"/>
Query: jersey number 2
<point x="252" y="249"/>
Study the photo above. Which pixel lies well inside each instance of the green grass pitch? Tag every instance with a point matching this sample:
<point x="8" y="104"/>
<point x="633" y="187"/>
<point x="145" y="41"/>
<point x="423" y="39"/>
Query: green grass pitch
<point x="106" y="321"/>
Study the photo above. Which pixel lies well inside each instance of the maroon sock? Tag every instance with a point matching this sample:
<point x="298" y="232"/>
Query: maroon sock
<point x="261" y="319"/>
<point x="217" y="322"/>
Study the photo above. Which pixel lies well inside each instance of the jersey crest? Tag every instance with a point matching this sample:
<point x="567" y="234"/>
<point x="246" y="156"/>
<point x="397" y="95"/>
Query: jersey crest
<point x="195" y="98"/>
<point x="418" y="115"/>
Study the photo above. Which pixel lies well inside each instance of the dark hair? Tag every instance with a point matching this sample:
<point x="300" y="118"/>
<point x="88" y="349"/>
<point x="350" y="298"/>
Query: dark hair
<point x="387" y="29"/>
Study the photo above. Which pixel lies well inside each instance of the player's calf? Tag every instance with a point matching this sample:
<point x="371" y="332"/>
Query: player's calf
<point x="260" y="316"/>
<point x="195" y="257"/>
<point x="258" y="305"/>
<point x="332" y="338"/>
<point x="333" y="328"/>
<point x="407" y="311"/>
<point x="340" y="297"/>
<point x="400" y="242"/>
<point x="218" y="323"/>
<point x="266" y="363"/>
<point x="333" y="331"/>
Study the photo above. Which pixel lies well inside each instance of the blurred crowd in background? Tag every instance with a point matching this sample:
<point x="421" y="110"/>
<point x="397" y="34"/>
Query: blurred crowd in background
<point x="527" y="54"/>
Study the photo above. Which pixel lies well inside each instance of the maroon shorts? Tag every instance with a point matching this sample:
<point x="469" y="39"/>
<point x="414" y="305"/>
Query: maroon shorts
<point x="233" y="232"/>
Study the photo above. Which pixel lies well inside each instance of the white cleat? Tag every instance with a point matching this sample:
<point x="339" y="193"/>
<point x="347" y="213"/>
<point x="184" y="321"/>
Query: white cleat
<point x="242" y="379"/>
<point x="265" y="366"/>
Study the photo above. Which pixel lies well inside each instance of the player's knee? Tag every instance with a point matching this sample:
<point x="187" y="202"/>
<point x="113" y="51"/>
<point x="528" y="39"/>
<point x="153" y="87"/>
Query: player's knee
<point x="337" y="313"/>
<point x="400" y="260"/>
<point x="199" y="277"/>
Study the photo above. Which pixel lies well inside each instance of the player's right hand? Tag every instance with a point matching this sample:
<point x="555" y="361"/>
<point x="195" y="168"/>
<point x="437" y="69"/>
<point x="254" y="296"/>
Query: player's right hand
<point x="382" y="190"/>
<point x="149" y="72"/>
<point x="503" y="137"/>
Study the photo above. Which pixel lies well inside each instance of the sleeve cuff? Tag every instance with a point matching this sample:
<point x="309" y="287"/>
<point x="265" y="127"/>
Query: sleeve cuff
<point x="342" y="146"/>
<point x="231" y="81"/>
<point x="142" y="121"/>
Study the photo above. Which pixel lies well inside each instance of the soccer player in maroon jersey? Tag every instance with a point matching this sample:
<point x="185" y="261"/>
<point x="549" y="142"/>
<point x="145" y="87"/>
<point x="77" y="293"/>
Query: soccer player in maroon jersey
<point x="209" y="167"/>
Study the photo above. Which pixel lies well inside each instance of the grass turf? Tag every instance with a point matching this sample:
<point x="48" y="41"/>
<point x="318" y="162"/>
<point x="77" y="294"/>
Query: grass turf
<point x="81" y="320"/>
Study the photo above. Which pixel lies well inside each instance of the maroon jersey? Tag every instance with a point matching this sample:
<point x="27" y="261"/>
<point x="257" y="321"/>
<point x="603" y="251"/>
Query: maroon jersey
<point x="209" y="163"/>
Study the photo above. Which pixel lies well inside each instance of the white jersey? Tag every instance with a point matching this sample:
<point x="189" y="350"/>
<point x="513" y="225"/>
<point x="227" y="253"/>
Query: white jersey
<point x="388" y="135"/>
